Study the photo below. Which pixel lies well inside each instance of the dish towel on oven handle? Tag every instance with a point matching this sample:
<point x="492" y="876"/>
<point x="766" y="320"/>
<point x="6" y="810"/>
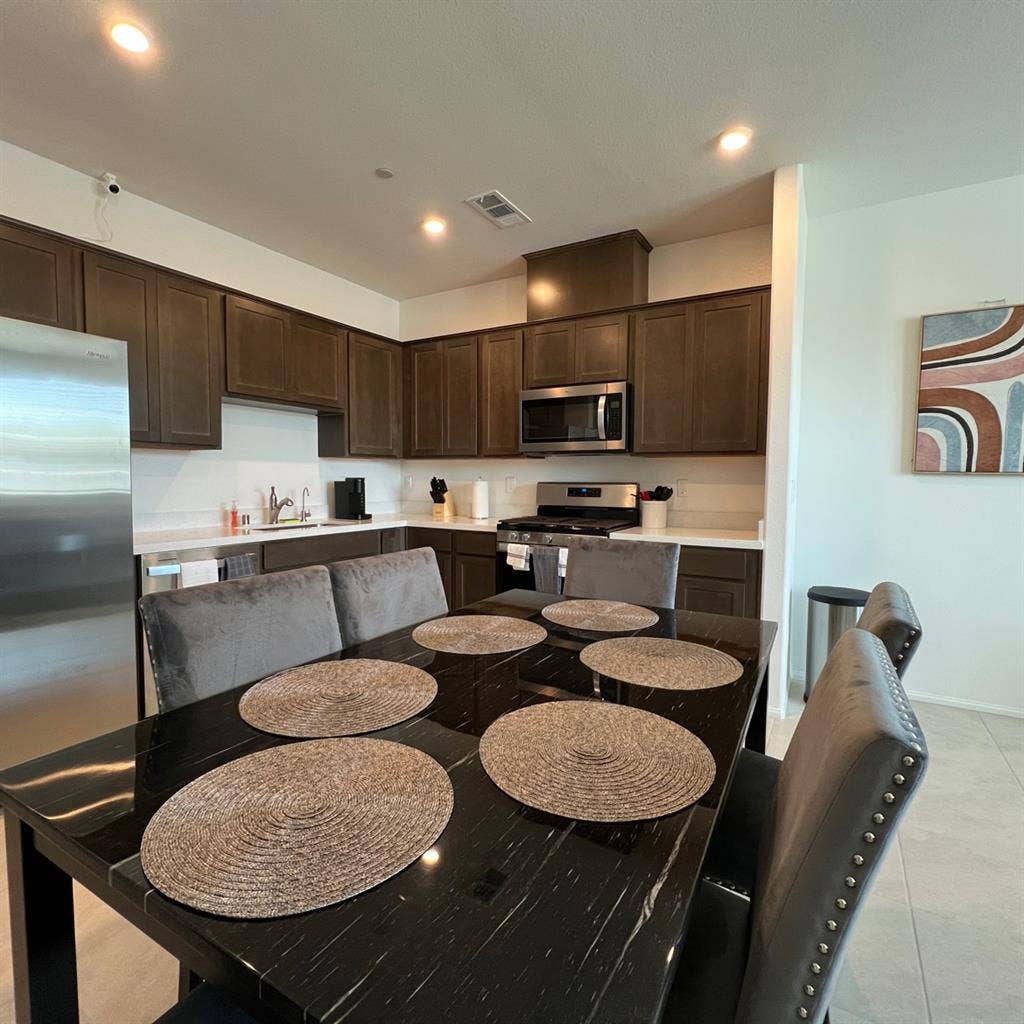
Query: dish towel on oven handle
<point x="563" y="561"/>
<point x="518" y="556"/>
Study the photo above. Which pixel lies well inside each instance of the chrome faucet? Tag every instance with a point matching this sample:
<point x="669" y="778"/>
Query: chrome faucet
<point x="276" y="506"/>
<point x="305" y="513"/>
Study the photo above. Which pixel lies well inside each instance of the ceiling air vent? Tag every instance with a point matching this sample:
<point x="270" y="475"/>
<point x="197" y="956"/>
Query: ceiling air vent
<point x="498" y="210"/>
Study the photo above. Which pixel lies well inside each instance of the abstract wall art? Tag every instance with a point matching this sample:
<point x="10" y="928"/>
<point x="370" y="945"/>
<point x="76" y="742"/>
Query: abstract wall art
<point x="970" y="409"/>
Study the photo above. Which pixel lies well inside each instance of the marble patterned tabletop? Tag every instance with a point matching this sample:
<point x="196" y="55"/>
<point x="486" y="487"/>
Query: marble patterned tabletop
<point x="518" y="915"/>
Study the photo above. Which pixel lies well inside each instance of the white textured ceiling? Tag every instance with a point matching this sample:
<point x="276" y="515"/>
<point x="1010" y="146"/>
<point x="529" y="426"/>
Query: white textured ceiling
<point x="267" y="117"/>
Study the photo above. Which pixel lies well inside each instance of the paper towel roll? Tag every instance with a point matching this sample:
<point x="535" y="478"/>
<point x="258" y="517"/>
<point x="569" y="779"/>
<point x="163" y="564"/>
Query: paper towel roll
<point x="479" y="505"/>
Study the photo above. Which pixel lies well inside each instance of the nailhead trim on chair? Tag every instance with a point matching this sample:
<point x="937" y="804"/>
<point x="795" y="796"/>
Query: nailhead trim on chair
<point x="878" y="818"/>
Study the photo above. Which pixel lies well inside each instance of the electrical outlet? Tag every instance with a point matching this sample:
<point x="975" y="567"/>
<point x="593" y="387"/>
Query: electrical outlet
<point x="510" y="484"/>
<point x="678" y="494"/>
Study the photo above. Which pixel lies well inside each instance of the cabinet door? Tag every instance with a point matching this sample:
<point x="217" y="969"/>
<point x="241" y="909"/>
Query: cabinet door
<point x="120" y="302"/>
<point x="374" y="396"/>
<point x="726" y="381"/>
<point x="549" y="355"/>
<point x="424" y="400"/>
<point x="460" y="396"/>
<point x="316" y="367"/>
<point x="40" y="279"/>
<point x="257" y="339"/>
<point x="602" y="349"/>
<point x="190" y="332"/>
<point x="501" y="376"/>
<point x="719" y="597"/>
<point x="474" y="579"/>
<point x="662" y="342"/>
<point x="444" y="566"/>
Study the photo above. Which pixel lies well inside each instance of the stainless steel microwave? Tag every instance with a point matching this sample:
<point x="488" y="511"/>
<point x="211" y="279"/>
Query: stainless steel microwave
<point x="585" y="418"/>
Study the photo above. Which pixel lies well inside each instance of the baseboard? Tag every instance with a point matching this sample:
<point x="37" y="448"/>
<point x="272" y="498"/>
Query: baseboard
<point x="937" y="698"/>
<point x="967" y="705"/>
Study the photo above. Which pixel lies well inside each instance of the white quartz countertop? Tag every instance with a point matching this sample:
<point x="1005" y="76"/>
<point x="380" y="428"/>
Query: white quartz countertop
<point x="698" y="538"/>
<point x="153" y="542"/>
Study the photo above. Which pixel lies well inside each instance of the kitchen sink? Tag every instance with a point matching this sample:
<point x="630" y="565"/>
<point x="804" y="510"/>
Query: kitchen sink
<point x="266" y="527"/>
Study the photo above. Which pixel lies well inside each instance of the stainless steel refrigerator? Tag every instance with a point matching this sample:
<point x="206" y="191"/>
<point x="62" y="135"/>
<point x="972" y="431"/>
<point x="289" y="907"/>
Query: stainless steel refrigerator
<point x="67" y="574"/>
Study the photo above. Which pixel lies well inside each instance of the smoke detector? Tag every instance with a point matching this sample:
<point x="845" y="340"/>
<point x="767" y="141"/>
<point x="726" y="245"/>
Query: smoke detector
<point x="501" y="212"/>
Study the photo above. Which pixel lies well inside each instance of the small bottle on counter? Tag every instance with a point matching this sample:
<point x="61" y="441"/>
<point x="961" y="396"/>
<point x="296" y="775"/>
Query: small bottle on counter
<point x="234" y="515"/>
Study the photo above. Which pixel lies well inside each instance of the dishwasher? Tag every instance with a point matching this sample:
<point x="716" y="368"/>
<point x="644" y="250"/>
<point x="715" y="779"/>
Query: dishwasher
<point x="162" y="571"/>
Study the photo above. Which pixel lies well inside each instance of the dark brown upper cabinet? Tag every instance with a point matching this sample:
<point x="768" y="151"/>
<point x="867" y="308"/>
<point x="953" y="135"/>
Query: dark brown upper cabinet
<point x="190" y="326"/>
<point x="662" y="349"/>
<point x="501" y="375"/>
<point x="275" y="354"/>
<point x="374" y="396"/>
<point x="256" y="342"/>
<point x="549" y="355"/>
<point x="441" y="398"/>
<point x="460" y="396"/>
<point x="316" y="367"/>
<point x="602" y="349"/>
<point x="424" y="400"/>
<point x="40" y="278"/>
<point x="121" y="302"/>
<point x="725" y="395"/>
<point x="588" y="351"/>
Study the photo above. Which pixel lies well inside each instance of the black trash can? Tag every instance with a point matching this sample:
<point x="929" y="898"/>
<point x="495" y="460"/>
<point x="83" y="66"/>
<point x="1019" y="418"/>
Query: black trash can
<point x="831" y="611"/>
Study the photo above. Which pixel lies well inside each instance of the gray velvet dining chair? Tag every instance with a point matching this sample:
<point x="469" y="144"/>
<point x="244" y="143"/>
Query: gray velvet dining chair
<point x="889" y="614"/>
<point x="640" y="572"/>
<point x="382" y="593"/>
<point x="767" y="942"/>
<point x="204" y="640"/>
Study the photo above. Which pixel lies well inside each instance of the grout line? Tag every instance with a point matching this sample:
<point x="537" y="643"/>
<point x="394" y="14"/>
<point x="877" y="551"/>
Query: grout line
<point x="1002" y="753"/>
<point x="913" y="925"/>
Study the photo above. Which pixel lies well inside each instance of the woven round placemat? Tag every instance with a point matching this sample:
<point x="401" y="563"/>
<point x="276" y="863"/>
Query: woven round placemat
<point x="478" y="634"/>
<point x="661" y="663"/>
<point x="337" y="698"/>
<point x="601" y="616"/>
<point x="596" y="761"/>
<point x="296" y="827"/>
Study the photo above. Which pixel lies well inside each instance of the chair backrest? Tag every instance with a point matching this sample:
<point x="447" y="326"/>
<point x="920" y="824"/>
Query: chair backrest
<point x="852" y="767"/>
<point x="641" y="572"/>
<point x="203" y="640"/>
<point x="382" y="593"/>
<point x="889" y="614"/>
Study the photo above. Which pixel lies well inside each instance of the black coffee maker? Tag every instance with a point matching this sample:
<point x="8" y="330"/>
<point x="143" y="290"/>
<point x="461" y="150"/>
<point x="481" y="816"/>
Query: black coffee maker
<point x="350" y="499"/>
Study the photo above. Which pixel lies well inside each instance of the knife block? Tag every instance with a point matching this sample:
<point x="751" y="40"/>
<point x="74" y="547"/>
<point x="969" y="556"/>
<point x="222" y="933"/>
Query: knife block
<point x="447" y="510"/>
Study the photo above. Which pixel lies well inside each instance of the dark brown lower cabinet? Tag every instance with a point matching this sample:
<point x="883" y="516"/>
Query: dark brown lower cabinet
<point x="392" y="539"/>
<point x="332" y="547"/>
<point x="722" y="581"/>
<point x="465" y="558"/>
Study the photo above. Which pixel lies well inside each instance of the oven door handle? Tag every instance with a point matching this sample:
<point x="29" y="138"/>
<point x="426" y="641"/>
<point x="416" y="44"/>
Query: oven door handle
<point x="602" y="418"/>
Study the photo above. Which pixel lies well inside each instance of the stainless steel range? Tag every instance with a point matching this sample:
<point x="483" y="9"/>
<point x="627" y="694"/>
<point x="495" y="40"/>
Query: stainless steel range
<point x="573" y="510"/>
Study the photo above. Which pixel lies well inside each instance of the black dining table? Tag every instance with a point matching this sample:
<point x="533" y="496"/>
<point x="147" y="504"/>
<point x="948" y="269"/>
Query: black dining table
<point x="518" y="916"/>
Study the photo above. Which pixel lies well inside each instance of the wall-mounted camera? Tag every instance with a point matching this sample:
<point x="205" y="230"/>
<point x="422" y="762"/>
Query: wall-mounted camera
<point x="109" y="184"/>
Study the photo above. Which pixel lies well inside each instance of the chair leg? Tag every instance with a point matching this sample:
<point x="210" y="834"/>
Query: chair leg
<point x="187" y="980"/>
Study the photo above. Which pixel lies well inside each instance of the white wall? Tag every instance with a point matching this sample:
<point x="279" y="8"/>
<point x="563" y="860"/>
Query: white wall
<point x="261" y="445"/>
<point x="955" y="542"/>
<point x="736" y="259"/>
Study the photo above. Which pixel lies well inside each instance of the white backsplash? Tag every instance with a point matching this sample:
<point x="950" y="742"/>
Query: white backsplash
<point x="174" y="490"/>
<point x="262" y="445"/>
<point x="715" y="493"/>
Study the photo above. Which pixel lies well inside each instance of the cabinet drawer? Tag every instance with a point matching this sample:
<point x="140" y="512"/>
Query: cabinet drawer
<point x="424" y="537"/>
<point x="469" y="542"/>
<point x="722" y="563"/>
<point x="292" y="554"/>
<point x="718" y="597"/>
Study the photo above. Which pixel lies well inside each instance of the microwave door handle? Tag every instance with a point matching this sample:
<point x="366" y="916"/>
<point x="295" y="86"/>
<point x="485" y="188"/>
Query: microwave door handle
<point x="602" y="418"/>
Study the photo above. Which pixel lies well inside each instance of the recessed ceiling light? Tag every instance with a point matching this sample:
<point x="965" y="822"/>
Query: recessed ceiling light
<point x="734" y="139"/>
<point x="384" y="172"/>
<point x="434" y="226"/>
<point x="129" y="37"/>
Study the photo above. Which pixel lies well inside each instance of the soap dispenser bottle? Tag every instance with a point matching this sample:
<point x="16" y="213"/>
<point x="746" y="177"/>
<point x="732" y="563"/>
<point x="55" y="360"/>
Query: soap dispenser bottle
<point x="234" y="515"/>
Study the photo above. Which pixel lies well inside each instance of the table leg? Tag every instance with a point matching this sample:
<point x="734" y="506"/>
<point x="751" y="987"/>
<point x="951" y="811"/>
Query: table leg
<point x="757" y="731"/>
<point x="187" y="980"/>
<point x="42" y="932"/>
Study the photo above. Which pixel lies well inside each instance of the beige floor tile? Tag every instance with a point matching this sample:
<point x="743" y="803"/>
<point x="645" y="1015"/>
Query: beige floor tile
<point x="881" y="978"/>
<point x="1008" y="734"/>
